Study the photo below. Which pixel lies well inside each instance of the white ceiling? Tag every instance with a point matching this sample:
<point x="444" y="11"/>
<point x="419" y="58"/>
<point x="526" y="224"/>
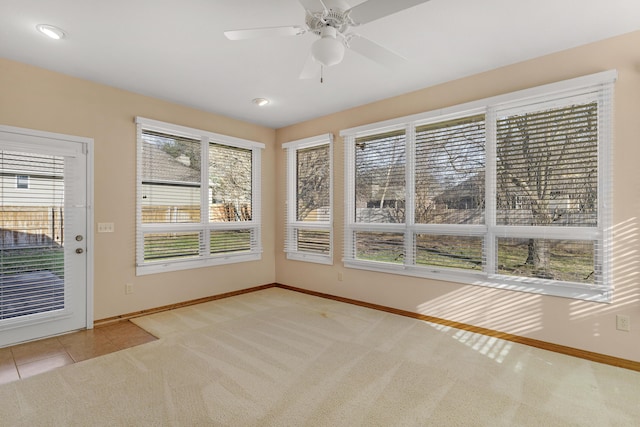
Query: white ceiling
<point x="175" y="49"/>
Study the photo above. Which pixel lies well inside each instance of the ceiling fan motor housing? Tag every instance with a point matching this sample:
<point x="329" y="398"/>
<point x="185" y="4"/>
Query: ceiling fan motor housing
<point x="335" y="17"/>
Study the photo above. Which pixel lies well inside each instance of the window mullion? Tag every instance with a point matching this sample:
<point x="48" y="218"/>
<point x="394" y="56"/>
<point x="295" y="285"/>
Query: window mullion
<point x="605" y="138"/>
<point x="291" y="199"/>
<point x="139" y="194"/>
<point x="205" y="246"/>
<point x="349" y="196"/>
<point x="410" y="186"/>
<point x="256" y="199"/>
<point x="490" y="247"/>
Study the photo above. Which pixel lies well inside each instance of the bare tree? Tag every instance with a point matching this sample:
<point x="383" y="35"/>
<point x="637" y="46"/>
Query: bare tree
<point x="312" y="187"/>
<point x="380" y="176"/>
<point x="230" y="180"/>
<point x="546" y="165"/>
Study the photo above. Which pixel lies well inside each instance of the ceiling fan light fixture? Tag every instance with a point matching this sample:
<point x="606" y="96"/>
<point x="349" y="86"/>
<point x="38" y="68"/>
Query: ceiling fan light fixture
<point x="328" y="50"/>
<point x="51" y="31"/>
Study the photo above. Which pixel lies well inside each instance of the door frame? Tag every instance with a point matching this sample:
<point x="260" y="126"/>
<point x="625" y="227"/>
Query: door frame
<point x="87" y="146"/>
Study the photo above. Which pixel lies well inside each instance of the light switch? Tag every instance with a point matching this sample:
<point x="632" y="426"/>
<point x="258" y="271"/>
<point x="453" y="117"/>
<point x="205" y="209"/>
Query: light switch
<point x="105" y="227"/>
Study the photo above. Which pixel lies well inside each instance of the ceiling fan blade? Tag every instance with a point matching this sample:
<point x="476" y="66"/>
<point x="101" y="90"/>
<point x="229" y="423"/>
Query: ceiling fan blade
<point x="255" y="33"/>
<point x="311" y="69"/>
<point x="375" y="52"/>
<point x="375" y="9"/>
<point x="313" y="5"/>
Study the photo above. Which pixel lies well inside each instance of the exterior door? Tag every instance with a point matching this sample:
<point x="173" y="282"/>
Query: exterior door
<point x="44" y="280"/>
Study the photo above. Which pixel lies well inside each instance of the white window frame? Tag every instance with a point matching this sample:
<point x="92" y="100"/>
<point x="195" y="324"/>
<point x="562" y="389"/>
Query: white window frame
<point x="204" y="226"/>
<point x="292" y="225"/>
<point x="598" y="87"/>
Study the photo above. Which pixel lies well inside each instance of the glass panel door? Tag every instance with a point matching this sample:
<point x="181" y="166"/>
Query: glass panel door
<point x="43" y="213"/>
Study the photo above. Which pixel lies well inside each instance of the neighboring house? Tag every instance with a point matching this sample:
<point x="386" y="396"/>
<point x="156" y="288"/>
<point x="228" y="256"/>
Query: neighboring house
<point x="32" y="200"/>
<point x="171" y="190"/>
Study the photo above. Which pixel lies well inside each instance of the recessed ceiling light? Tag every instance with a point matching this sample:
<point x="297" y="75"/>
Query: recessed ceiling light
<point x="260" y="102"/>
<point x="51" y="31"/>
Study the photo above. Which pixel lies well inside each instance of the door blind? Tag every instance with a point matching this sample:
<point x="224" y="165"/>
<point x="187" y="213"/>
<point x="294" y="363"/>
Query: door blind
<point x="31" y="234"/>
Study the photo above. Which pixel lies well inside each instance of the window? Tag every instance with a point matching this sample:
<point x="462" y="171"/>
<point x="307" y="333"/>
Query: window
<point x="509" y="192"/>
<point x="309" y="200"/>
<point x="198" y="198"/>
<point x="22" y="181"/>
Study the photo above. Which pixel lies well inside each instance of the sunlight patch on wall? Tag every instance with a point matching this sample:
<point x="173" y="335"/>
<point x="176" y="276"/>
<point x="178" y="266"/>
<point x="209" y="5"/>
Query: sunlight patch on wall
<point x="506" y="311"/>
<point x="626" y="274"/>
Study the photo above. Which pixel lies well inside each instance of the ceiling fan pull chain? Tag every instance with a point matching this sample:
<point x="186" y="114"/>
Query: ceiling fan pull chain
<point x="321" y="73"/>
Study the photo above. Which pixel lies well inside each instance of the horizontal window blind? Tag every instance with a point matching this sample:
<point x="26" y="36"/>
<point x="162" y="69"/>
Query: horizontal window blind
<point x="512" y="192"/>
<point x="547" y="167"/>
<point x="223" y="241"/>
<point x="380" y="247"/>
<point x="450" y="172"/>
<point x="449" y="251"/>
<point x="183" y="223"/>
<point x="171" y="167"/>
<point x="521" y="257"/>
<point x="230" y="183"/>
<point x="380" y="183"/>
<point x="313" y="194"/>
<point x="163" y="246"/>
<point x="308" y="217"/>
<point x="32" y="220"/>
<point x="314" y="241"/>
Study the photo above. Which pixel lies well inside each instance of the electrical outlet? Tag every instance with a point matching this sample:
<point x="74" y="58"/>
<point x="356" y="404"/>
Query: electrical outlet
<point x="128" y="288"/>
<point x="623" y="322"/>
<point x="340" y="276"/>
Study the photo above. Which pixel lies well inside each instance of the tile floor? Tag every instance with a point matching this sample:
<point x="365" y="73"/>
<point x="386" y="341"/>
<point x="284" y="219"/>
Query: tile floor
<point x="32" y="358"/>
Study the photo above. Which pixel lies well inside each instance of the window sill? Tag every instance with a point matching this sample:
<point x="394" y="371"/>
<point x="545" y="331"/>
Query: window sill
<point x="519" y="284"/>
<point x="318" y="259"/>
<point x="167" y="266"/>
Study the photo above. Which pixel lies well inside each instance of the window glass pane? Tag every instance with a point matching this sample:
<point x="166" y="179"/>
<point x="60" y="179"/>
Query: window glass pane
<point x="547" y="164"/>
<point x="449" y="251"/>
<point x="380" y="178"/>
<point x="170" y="179"/>
<point x="314" y="241"/>
<point x="230" y="241"/>
<point x="22" y="181"/>
<point x="312" y="186"/>
<point x="158" y="246"/>
<point x="382" y="247"/>
<point x="230" y="172"/>
<point x="450" y="172"/>
<point x="563" y="260"/>
<point x="32" y="224"/>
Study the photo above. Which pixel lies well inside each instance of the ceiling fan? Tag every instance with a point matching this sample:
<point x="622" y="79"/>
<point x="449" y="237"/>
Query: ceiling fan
<point x="331" y="20"/>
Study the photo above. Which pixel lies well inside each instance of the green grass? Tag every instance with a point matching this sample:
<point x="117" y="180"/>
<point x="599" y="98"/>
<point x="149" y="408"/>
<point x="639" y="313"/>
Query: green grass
<point x="570" y="261"/>
<point x="159" y="246"/>
<point x="14" y="261"/>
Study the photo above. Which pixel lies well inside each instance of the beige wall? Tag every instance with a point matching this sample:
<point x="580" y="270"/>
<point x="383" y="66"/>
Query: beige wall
<point x="579" y="324"/>
<point x="38" y="99"/>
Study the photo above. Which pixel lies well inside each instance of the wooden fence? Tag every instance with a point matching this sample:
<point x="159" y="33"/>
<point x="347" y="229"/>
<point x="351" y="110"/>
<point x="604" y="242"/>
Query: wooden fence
<point x="29" y="226"/>
<point x="182" y="214"/>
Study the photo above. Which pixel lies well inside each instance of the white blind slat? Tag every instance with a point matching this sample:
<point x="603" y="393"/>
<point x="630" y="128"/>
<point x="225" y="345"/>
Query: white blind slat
<point x="308" y="216"/>
<point x="32" y="219"/>
<point x="529" y="172"/>
<point x="183" y="222"/>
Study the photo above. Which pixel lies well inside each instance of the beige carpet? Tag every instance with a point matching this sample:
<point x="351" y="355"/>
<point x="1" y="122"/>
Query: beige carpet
<point x="281" y="358"/>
